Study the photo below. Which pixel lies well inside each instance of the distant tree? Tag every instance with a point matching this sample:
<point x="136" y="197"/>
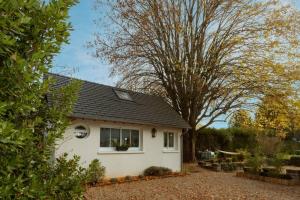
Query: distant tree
<point x="31" y="33"/>
<point x="279" y="114"/>
<point x="205" y="58"/>
<point x="240" y="119"/>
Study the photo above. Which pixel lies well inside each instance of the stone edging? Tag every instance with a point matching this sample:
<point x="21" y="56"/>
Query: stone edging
<point x="121" y="180"/>
<point x="268" y="179"/>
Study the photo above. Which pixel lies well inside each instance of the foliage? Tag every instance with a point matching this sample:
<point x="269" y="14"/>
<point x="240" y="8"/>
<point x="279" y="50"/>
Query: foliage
<point x="243" y="154"/>
<point x="255" y="162"/>
<point x="243" y="138"/>
<point x="157" y="171"/>
<point x="64" y="180"/>
<point x="128" y="178"/>
<point x="113" y="180"/>
<point x="95" y="172"/>
<point x="240" y="119"/>
<point x="268" y="152"/>
<point x="289" y="146"/>
<point x="228" y="167"/>
<point x="213" y="139"/>
<point x="269" y="145"/>
<point x="31" y="33"/>
<point x="141" y="176"/>
<point x="123" y="147"/>
<point x="295" y="160"/>
<point x="276" y="175"/>
<point x="278" y="114"/>
<point x="230" y="139"/>
<point x="206" y="58"/>
<point x="277" y="161"/>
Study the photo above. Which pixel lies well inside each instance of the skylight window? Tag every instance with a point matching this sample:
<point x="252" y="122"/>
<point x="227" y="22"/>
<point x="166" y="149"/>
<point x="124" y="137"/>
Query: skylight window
<point x="123" y="95"/>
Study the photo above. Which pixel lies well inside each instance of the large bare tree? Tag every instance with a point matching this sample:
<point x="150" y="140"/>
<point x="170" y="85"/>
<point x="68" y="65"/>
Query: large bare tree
<point x="205" y="57"/>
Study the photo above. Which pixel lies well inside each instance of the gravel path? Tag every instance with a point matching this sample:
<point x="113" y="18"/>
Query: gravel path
<point x="206" y="185"/>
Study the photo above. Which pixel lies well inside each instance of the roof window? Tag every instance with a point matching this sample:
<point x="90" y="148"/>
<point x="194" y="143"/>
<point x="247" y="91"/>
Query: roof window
<point x="123" y="95"/>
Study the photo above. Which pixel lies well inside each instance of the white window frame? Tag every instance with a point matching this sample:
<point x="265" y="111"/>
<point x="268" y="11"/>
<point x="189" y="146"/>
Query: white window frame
<point x="175" y="140"/>
<point x="113" y="149"/>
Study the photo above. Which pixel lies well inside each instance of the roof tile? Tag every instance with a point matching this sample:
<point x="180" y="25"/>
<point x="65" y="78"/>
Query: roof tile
<point x="100" y="102"/>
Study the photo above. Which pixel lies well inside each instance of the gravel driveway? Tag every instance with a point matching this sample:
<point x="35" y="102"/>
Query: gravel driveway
<point x="202" y="185"/>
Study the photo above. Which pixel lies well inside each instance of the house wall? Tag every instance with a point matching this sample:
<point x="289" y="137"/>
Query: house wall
<point x="152" y="152"/>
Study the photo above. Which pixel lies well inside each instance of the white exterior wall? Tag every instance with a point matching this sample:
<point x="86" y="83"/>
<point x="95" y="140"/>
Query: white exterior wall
<point x="118" y="163"/>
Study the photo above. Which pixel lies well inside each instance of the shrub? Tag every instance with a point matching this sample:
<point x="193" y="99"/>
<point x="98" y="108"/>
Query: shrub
<point x="32" y="32"/>
<point x="64" y="179"/>
<point x="242" y="138"/>
<point x="273" y="174"/>
<point x="227" y="167"/>
<point x="128" y="178"/>
<point x="228" y="139"/>
<point x="157" y="171"/>
<point x="277" y="161"/>
<point x="255" y="163"/>
<point x="242" y="155"/>
<point x="141" y="176"/>
<point x="295" y="160"/>
<point x="94" y="172"/>
<point x="213" y="139"/>
<point x="113" y="180"/>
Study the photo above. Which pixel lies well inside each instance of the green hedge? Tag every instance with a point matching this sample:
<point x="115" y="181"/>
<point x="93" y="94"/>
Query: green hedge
<point x="295" y="160"/>
<point x="229" y="139"/>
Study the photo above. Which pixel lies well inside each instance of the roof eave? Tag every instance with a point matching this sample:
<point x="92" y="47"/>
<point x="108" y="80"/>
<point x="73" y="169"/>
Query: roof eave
<point x="130" y="121"/>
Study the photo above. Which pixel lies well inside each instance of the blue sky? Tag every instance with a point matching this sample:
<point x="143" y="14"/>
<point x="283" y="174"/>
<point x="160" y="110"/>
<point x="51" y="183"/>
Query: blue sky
<point x="76" y="60"/>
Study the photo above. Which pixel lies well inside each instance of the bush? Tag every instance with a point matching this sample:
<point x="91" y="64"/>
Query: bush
<point x="229" y="139"/>
<point x="255" y="163"/>
<point x="64" y="179"/>
<point x="128" y="178"/>
<point x="157" y="171"/>
<point x="242" y="138"/>
<point x="32" y="32"/>
<point x="275" y="175"/>
<point x="113" y="180"/>
<point x="141" y="176"/>
<point x="94" y="172"/>
<point x="227" y="167"/>
<point x="295" y="160"/>
<point x="213" y="139"/>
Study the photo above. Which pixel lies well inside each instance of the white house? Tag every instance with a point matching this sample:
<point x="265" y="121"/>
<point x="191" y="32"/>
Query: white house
<point x="127" y="131"/>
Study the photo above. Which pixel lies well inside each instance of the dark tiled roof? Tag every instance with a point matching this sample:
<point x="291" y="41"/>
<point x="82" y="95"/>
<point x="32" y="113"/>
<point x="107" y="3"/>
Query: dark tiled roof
<point x="100" y="102"/>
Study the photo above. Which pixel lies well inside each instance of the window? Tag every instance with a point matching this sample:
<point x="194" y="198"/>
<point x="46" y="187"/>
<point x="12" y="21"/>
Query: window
<point x="105" y="137"/>
<point x="169" y="140"/>
<point x="115" y="137"/>
<point x="112" y="137"/>
<point x="81" y="132"/>
<point x="123" y="95"/>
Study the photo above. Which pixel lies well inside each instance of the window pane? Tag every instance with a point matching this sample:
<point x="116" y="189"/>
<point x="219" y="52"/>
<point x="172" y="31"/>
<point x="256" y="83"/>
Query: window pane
<point x="115" y="137"/>
<point x="135" y="138"/>
<point x="126" y="136"/>
<point x="165" y="139"/>
<point x="171" y="139"/>
<point x="105" y="137"/>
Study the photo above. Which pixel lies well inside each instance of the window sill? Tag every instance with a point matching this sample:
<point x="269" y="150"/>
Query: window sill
<point x="170" y="151"/>
<point x="120" y="152"/>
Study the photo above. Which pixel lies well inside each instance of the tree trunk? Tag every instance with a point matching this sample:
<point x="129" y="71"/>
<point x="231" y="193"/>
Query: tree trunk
<point x="186" y="148"/>
<point x="189" y="146"/>
<point x="193" y="150"/>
